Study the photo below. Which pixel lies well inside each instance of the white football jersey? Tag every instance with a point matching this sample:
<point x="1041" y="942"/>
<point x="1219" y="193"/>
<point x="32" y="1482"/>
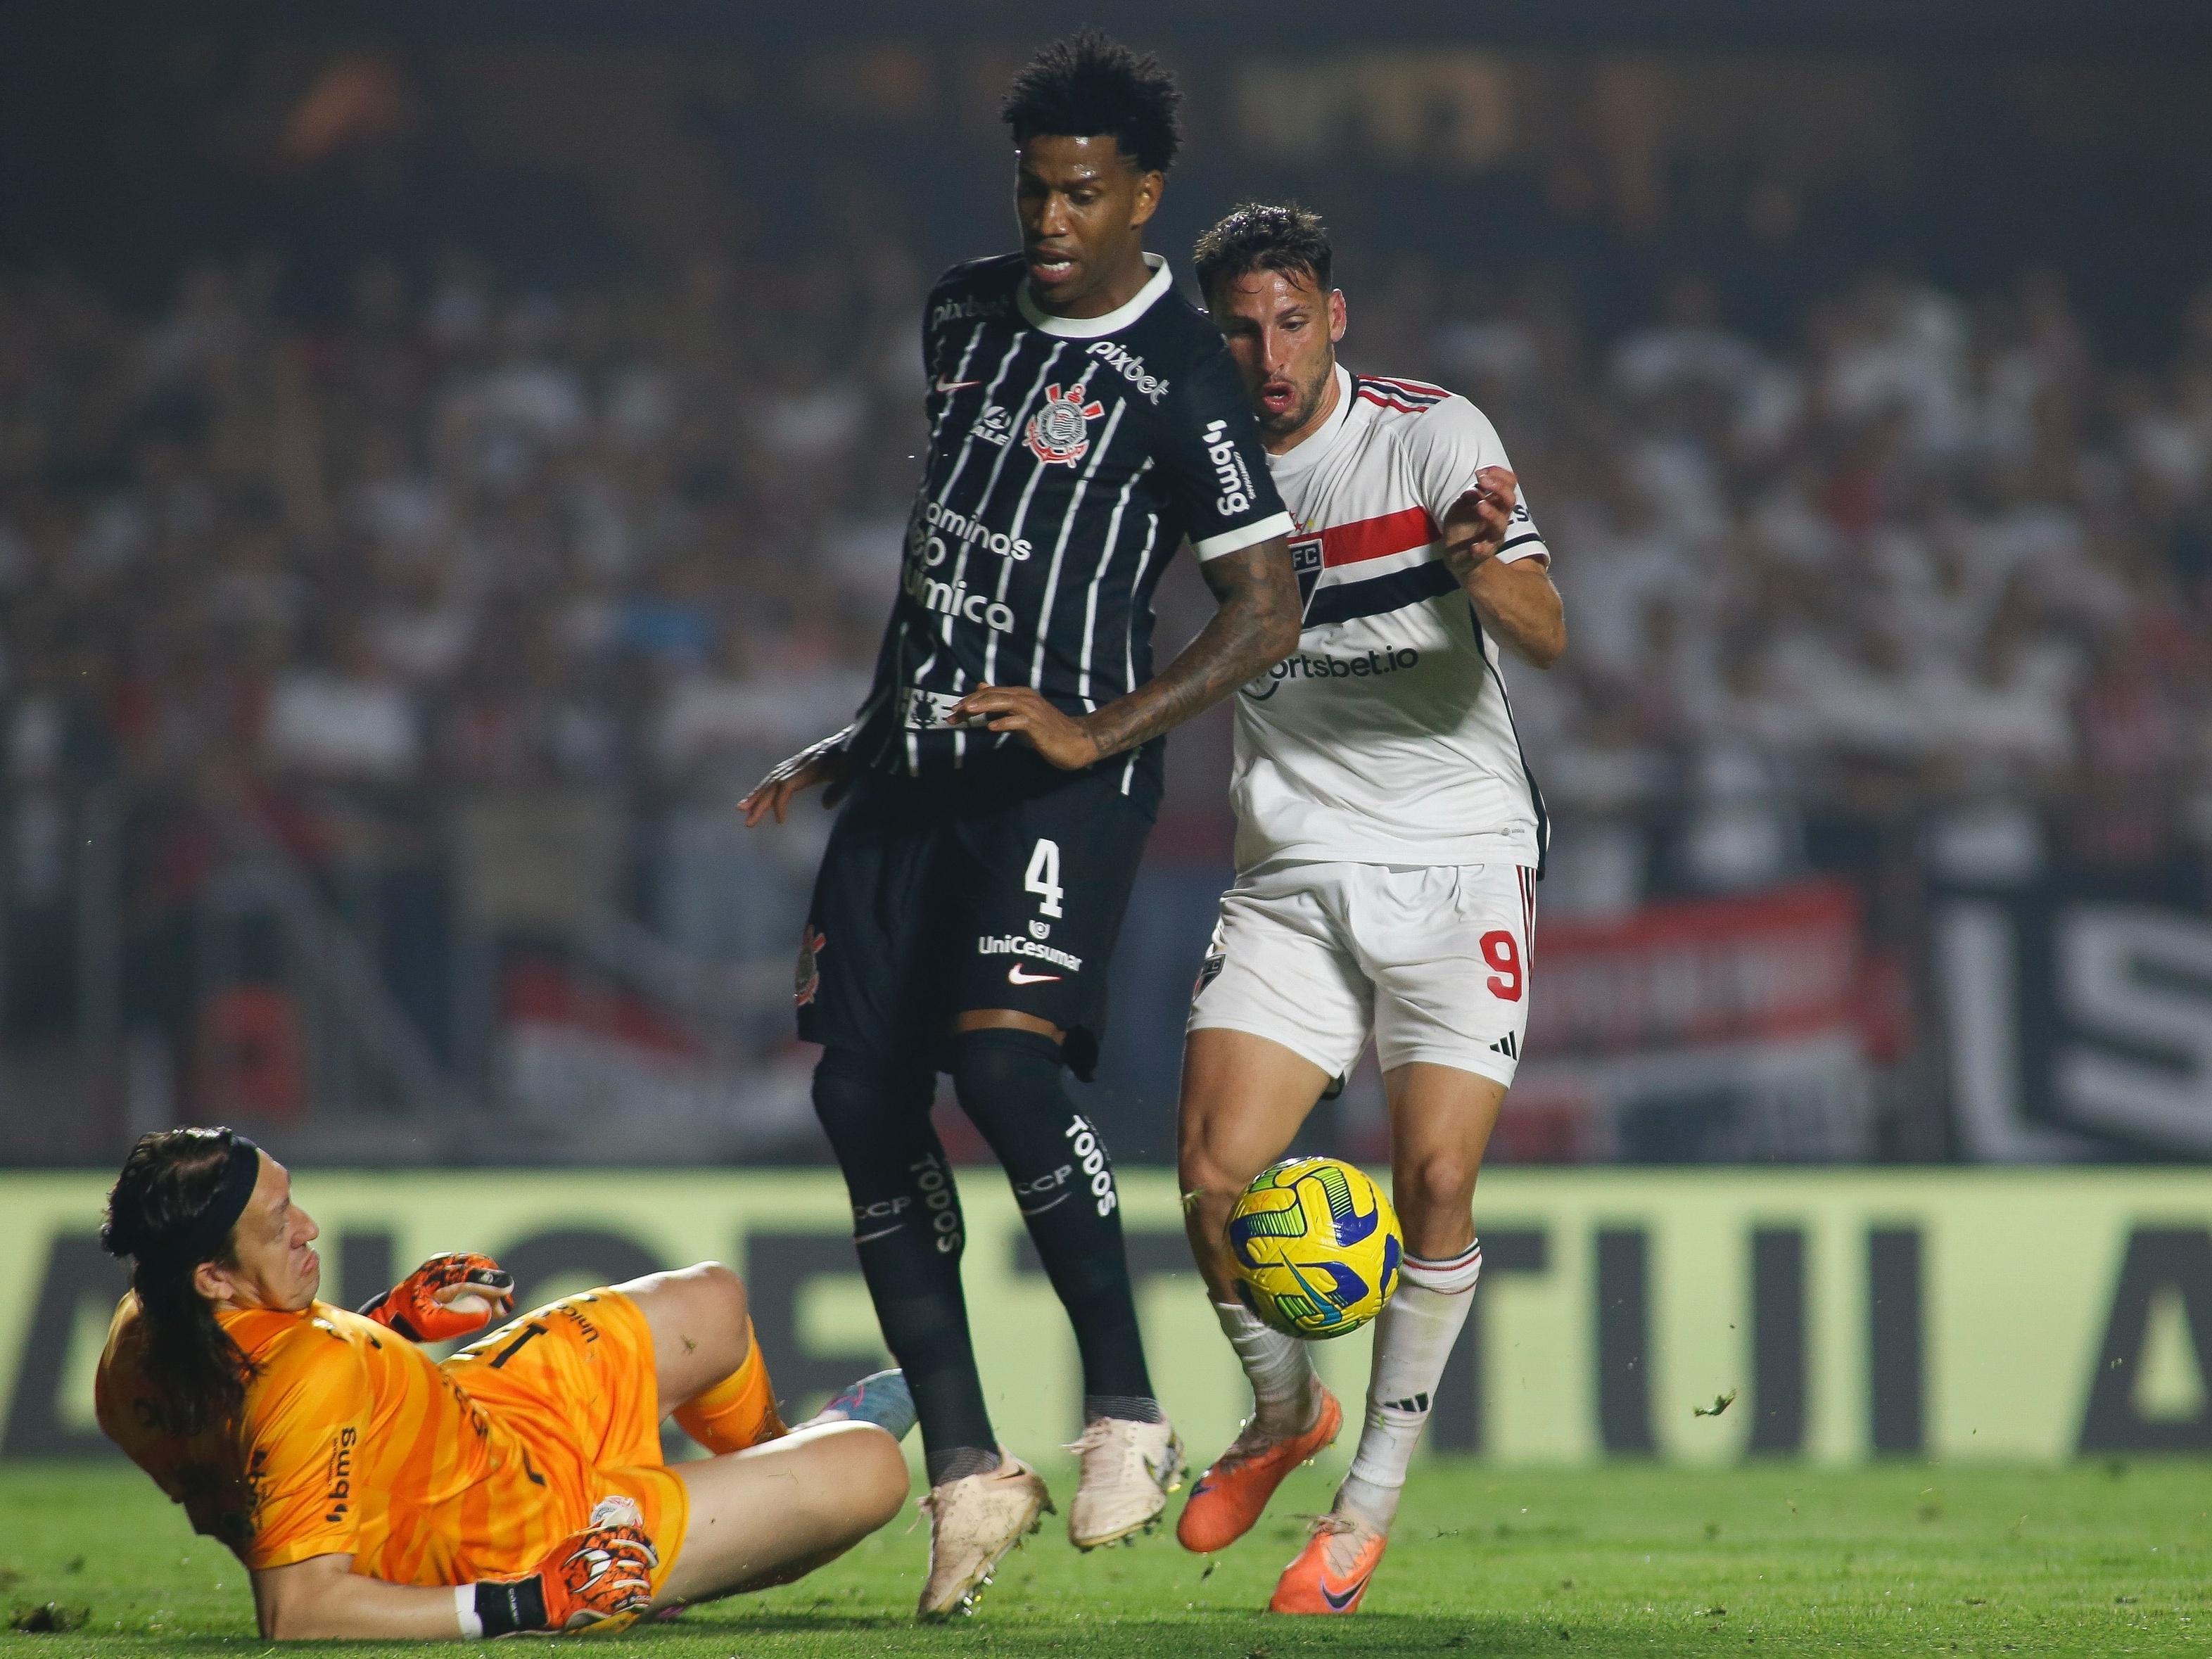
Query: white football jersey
<point x="1387" y="738"/>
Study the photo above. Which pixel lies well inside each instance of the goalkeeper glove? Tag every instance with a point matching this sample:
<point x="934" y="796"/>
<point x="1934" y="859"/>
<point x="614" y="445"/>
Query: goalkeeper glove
<point x="454" y="1293"/>
<point x="598" y="1579"/>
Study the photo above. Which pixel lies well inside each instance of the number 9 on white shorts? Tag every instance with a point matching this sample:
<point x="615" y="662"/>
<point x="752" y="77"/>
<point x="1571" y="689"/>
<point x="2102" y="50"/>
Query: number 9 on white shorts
<point x="1432" y="960"/>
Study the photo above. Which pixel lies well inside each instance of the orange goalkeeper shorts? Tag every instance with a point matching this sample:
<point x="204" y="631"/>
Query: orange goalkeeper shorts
<point x="575" y="1380"/>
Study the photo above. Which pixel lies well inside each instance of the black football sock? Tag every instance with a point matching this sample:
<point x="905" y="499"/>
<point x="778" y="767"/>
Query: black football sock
<point x="1009" y="1085"/>
<point x="907" y="1228"/>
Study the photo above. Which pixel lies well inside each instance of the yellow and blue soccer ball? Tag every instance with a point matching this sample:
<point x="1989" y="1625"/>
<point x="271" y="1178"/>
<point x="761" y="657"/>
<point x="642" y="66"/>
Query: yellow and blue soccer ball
<point x="1315" y="1247"/>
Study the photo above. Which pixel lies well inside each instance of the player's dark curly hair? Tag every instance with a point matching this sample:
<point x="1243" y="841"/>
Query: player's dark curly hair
<point x="1091" y="84"/>
<point x="167" y="1183"/>
<point x="1263" y="236"/>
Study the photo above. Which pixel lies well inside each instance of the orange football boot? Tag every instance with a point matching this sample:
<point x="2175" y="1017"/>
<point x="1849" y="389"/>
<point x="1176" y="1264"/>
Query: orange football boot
<point x="1332" y="1572"/>
<point x="1232" y="1496"/>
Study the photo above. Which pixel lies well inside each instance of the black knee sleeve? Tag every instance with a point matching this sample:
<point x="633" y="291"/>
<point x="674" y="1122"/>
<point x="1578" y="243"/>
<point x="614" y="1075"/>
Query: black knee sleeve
<point x="906" y="1228"/>
<point x="877" y="1118"/>
<point x="1009" y="1085"/>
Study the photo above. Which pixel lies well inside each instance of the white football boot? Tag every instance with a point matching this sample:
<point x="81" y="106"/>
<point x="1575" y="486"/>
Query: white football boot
<point x="1129" y="1470"/>
<point x="973" y="1523"/>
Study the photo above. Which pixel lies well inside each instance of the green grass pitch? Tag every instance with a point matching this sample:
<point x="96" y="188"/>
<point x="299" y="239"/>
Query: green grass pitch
<point x="2099" y="1558"/>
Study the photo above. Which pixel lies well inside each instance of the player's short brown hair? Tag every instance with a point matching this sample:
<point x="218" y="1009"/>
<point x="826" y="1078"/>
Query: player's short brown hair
<point x="1280" y="236"/>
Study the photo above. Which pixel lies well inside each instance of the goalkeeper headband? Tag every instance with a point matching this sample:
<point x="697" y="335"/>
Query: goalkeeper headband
<point x="194" y="1242"/>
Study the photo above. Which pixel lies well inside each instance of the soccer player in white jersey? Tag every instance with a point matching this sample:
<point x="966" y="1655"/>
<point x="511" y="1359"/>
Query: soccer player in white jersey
<point x="1389" y="837"/>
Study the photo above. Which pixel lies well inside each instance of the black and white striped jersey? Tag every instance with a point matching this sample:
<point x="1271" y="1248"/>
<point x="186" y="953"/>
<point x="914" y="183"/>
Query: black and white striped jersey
<point x="1069" y="458"/>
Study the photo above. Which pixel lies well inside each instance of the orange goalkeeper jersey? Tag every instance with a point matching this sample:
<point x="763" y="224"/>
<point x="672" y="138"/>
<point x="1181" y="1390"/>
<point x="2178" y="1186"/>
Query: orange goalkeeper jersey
<point x="353" y="1441"/>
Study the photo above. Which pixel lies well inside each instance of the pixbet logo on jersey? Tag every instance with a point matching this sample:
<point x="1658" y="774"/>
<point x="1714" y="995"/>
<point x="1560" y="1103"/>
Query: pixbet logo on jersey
<point x="1059" y="434"/>
<point x="1131" y="369"/>
<point x="959" y="311"/>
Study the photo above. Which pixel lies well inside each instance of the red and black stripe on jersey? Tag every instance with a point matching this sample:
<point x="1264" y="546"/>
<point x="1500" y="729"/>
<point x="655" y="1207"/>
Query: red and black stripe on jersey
<point x="1377" y="537"/>
<point x="1406" y="397"/>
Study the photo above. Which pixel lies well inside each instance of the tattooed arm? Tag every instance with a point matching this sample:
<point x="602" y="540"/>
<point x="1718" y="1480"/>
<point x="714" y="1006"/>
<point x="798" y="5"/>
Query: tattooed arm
<point x="1255" y="628"/>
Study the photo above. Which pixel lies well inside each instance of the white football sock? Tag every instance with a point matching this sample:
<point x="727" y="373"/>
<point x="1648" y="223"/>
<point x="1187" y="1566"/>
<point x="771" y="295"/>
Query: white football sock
<point x="1284" y="1399"/>
<point x="1412" y="1340"/>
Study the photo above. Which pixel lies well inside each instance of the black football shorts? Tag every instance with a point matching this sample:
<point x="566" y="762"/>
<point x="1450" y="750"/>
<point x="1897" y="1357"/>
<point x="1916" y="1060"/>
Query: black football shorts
<point x="1001" y="886"/>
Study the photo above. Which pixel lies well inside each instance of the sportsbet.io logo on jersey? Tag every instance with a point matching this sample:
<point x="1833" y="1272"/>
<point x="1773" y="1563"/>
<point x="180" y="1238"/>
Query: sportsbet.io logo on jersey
<point x="1059" y="434"/>
<point x="1373" y="665"/>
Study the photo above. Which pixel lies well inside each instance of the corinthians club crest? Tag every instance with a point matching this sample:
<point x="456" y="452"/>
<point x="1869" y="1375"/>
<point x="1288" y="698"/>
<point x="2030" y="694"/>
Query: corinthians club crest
<point x="1060" y="431"/>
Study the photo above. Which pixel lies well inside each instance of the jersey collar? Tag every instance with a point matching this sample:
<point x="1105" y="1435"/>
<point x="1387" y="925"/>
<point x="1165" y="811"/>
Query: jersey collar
<point x="1093" y="328"/>
<point x="1293" y="462"/>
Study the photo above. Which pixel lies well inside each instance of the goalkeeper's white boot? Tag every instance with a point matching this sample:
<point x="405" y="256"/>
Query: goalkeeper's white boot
<point x="973" y="1523"/>
<point x="1129" y="1470"/>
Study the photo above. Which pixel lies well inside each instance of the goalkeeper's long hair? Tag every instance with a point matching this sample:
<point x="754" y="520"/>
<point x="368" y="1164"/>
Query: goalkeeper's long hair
<point x="167" y="1186"/>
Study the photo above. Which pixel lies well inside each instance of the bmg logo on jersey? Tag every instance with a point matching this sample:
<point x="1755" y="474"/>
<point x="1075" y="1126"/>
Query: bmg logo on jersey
<point x="1228" y="470"/>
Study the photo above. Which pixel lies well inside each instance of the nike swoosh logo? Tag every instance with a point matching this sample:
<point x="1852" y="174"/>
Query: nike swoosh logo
<point x="1016" y="976"/>
<point x="944" y="385"/>
<point x="881" y="1232"/>
<point x="1340" y="1603"/>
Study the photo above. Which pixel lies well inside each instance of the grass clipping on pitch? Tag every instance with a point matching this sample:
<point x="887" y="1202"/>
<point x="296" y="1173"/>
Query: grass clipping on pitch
<point x="2098" y="1558"/>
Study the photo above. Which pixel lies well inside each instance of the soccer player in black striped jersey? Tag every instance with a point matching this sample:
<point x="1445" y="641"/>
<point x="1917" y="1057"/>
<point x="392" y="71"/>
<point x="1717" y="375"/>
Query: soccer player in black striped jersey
<point x="998" y="784"/>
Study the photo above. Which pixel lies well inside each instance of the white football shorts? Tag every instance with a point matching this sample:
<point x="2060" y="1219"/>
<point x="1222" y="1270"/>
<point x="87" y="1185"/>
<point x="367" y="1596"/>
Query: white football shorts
<point x="1433" y="960"/>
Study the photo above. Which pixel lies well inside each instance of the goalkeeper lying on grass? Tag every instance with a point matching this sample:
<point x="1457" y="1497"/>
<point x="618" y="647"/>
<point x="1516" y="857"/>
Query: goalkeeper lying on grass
<point x="519" y="1485"/>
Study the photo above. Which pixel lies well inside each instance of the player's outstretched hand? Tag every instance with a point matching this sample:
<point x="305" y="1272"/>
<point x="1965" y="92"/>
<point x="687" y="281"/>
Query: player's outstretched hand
<point x="599" y="1579"/>
<point x="454" y="1293"/>
<point x="1061" y="739"/>
<point x="822" y="763"/>
<point x="1479" y="520"/>
<point x="602" y="1577"/>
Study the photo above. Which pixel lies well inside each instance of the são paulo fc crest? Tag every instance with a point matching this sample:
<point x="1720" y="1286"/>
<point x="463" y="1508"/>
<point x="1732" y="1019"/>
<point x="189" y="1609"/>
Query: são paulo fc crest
<point x="1060" y="433"/>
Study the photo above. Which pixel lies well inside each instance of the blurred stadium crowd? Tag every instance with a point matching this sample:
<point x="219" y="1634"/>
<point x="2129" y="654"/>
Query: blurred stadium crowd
<point x="344" y="589"/>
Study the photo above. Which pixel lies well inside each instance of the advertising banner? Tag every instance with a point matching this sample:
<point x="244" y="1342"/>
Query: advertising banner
<point x="2078" y="1015"/>
<point x="1698" y="1030"/>
<point x="1696" y="1315"/>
